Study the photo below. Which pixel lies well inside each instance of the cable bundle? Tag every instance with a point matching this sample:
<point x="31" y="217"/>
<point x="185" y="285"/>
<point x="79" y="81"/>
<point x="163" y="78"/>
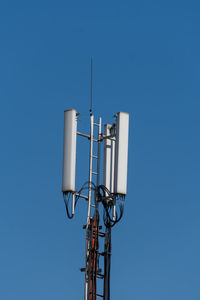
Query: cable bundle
<point x="68" y="196"/>
<point x="103" y="195"/>
<point x="108" y="200"/>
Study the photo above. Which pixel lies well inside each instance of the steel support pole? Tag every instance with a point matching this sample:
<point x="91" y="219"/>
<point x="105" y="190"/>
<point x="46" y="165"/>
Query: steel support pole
<point x="98" y="153"/>
<point x="107" y="262"/>
<point x="87" y="266"/>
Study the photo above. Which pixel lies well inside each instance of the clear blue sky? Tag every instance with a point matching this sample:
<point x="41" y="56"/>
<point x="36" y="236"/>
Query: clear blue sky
<point x="146" y="62"/>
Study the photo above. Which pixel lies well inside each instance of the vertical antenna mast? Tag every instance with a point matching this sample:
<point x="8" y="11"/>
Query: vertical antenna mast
<point x="110" y="195"/>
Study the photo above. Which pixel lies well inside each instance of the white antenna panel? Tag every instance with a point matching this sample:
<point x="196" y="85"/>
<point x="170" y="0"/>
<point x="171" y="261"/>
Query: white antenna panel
<point x="69" y="152"/>
<point x="109" y="159"/>
<point x="121" y="153"/>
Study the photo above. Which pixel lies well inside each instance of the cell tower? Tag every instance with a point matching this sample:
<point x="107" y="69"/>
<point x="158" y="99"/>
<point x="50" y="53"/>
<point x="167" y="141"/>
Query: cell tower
<point x="105" y="200"/>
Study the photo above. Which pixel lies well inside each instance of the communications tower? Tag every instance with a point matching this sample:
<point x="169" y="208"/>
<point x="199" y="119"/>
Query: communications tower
<point x="105" y="196"/>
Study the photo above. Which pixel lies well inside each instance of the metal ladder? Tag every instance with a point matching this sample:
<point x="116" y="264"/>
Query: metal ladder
<point x="91" y="243"/>
<point x="92" y="270"/>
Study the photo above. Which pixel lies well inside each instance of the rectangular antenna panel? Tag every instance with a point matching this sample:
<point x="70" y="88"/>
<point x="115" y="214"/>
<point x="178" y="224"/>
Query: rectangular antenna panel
<point x="121" y="153"/>
<point x="69" y="151"/>
<point x="109" y="158"/>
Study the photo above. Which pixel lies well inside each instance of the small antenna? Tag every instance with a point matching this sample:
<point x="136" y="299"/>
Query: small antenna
<point x="91" y="78"/>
